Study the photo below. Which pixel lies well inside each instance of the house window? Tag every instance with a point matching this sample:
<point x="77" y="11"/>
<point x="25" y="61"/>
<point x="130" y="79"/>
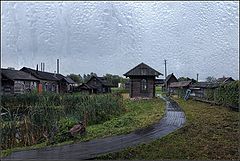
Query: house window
<point x="143" y="85"/>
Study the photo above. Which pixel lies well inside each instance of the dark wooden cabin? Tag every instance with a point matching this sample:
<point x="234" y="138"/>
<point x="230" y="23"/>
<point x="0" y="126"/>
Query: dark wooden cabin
<point x="201" y="89"/>
<point x="142" y="81"/>
<point x="95" y="85"/>
<point x="170" y="79"/>
<point x="17" y="82"/>
<point x="51" y="82"/>
<point x="225" y="80"/>
<point x="179" y="88"/>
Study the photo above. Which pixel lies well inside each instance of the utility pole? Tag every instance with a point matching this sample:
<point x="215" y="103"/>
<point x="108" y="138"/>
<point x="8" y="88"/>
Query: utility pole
<point x="197" y="77"/>
<point x="165" y="63"/>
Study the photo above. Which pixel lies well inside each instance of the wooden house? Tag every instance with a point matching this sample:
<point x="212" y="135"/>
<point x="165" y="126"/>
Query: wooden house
<point x="170" y="79"/>
<point x="179" y="88"/>
<point x="225" y="80"/>
<point x="96" y="85"/>
<point x="17" y="82"/>
<point x="142" y="81"/>
<point x="51" y="82"/>
<point x="202" y="89"/>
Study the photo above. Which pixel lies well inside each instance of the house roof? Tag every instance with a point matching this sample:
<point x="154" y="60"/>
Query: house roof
<point x="142" y="70"/>
<point x="225" y="79"/>
<point x="86" y="86"/>
<point x="68" y="80"/>
<point x="205" y="85"/>
<point x="42" y="75"/>
<point x="180" y="84"/>
<point x="102" y="80"/>
<point x="17" y="75"/>
<point x="169" y="76"/>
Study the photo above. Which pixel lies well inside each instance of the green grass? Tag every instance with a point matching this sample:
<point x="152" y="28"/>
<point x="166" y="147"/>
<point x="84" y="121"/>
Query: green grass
<point x="119" y="90"/>
<point x="138" y="114"/>
<point x="211" y="132"/>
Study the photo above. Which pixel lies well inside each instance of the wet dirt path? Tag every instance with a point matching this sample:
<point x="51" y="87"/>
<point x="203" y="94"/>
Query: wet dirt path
<point x="173" y="119"/>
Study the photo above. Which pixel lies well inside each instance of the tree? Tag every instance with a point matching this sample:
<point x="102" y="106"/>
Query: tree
<point x="211" y="79"/>
<point x="114" y="79"/>
<point x="186" y="79"/>
<point x="76" y="78"/>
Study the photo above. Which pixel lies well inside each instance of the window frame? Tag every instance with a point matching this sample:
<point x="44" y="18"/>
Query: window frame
<point x="143" y="83"/>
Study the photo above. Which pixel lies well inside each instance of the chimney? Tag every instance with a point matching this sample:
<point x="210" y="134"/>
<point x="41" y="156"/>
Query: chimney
<point x="57" y="66"/>
<point x="43" y="67"/>
<point x="37" y="68"/>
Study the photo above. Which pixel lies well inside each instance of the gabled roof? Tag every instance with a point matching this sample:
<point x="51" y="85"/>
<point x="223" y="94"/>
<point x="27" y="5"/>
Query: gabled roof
<point x="86" y="86"/>
<point x="68" y="80"/>
<point x="142" y="70"/>
<point x="101" y="80"/>
<point x="169" y="76"/>
<point x="17" y="75"/>
<point x="180" y="84"/>
<point x="225" y="79"/>
<point x="41" y="75"/>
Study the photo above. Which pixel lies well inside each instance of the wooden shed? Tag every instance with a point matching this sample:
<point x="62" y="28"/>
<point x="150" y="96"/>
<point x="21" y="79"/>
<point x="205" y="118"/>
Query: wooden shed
<point x="170" y="79"/>
<point x="96" y="85"/>
<point x="142" y="81"/>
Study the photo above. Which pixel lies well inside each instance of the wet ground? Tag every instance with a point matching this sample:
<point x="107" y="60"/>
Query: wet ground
<point x="173" y="119"/>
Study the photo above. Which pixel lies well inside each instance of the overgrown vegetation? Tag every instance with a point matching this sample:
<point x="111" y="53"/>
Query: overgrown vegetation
<point x="28" y="117"/>
<point x="137" y="114"/>
<point x="119" y="90"/>
<point x="211" y="132"/>
<point x="228" y="94"/>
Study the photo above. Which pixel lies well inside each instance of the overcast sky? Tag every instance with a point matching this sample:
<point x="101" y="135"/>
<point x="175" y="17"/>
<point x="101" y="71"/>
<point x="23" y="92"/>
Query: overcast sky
<point x="113" y="37"/>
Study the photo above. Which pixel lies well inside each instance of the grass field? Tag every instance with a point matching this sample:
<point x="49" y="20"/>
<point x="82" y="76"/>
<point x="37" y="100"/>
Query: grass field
<point x="138" y="114"/>
<point x="211" y="132"/>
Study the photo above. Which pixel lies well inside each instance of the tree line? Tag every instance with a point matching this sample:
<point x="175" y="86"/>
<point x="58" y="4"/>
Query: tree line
<point x="113" y="79"/>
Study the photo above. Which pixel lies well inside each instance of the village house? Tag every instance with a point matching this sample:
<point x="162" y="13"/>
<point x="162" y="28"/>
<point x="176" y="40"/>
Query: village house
<point x="17" y="82"/>
<point x="142" y="81"/>
<point x="179" y="88"/>
<point x="51" y="82"/>
<point x="225" y="80"/>
<point x="202" y="89"/>
<point x="169" y="79"/>
<point x="95" y="85"/>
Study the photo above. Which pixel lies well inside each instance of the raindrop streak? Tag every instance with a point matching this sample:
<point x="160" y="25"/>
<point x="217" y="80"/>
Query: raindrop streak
<point x="101" y="37"/>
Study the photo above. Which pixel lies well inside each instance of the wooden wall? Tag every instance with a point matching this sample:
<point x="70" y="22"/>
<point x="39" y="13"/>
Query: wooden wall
<point x="135" y="87"/>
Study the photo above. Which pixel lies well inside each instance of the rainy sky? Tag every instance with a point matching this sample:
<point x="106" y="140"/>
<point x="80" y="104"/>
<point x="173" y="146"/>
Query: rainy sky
<point x="113" y="37"/>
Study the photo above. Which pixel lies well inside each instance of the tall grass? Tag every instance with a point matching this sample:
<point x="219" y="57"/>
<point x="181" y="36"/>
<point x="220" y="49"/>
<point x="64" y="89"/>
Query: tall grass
<point x="30" y="116"/>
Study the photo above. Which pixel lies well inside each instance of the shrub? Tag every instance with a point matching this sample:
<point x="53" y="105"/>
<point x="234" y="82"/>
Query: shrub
<point x="228" y="94"/>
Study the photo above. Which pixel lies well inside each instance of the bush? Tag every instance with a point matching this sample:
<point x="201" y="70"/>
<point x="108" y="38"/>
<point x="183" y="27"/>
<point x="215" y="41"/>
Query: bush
<point x="228" y="94"/>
